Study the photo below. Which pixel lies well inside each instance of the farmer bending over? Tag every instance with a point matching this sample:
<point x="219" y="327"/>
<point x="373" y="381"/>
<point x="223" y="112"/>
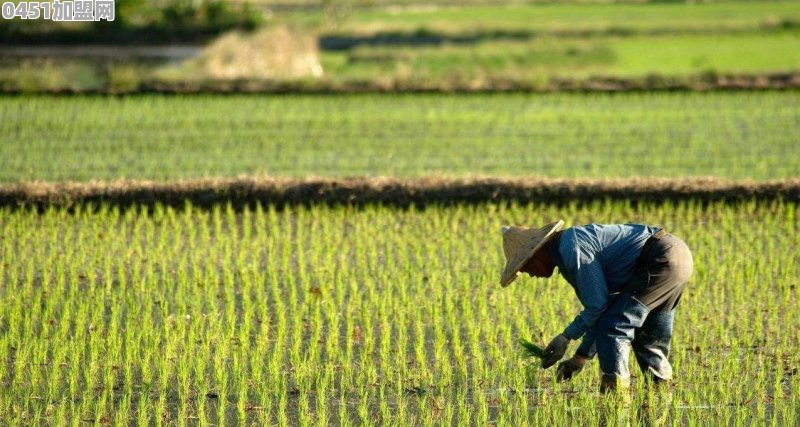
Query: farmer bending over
<point x="629" y="279"/>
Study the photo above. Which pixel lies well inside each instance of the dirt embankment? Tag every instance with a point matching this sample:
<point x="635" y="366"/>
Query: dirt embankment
<point x="705" y="82"/>
<point x="390" y="191"/>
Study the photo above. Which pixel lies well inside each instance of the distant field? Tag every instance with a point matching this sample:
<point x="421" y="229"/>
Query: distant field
<point x="731" y="135"/>
<point x="533" y="44"/>
<point x="350" y="46"/>
<point x="644" y="17"/>
<point x="539" y="60"/>
<point x="375" y="316"/>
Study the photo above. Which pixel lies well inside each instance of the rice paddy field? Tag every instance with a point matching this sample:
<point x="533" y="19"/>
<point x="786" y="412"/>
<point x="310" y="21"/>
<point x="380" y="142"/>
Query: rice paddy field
<point x="435" y="45"/>
<point x="547" y="16"/>
<point x="537" y="44"/>
<point x="736" y="135"/>
<point x="342" y="316"/>
<point x="173" y="314"/>
<point x="541" y="61"/>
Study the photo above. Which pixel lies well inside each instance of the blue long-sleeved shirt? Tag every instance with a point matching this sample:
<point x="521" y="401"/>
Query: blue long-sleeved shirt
<point x="597" y="260"/>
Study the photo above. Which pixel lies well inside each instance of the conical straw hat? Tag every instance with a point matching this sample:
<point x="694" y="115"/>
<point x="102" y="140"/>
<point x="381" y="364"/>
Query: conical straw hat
<point x="520" y="243"/>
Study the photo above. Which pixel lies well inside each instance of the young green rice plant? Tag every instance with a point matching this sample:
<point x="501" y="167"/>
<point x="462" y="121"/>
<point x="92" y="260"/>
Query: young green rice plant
<point x="395" y="311"/>
<point x="141" y="131"/>
<point x="528" y="349"/>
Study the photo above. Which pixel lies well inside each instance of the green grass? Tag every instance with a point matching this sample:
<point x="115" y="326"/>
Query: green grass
<point x="732" y="135"/>
<point x="535" y="63"/>
<point x="319" y="316"/>
<point x="479" y="47"/>
<point x="533" y="44"/>
<point x="687" y="55"/>
<point x="539" y="60"/>
<point x="678" y="16"/>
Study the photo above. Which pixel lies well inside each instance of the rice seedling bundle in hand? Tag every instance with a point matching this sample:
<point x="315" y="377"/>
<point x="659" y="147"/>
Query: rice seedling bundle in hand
<point x="529" y="349"/>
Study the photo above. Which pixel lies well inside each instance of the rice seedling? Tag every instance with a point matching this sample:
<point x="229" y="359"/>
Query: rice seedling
<point x="340" y="315"/>
<point x="529" y="349"/>
<point x="734" y="135"/>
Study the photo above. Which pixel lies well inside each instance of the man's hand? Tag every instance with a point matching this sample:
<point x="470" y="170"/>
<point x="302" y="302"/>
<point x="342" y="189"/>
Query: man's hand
<point x="555" y="351"/>
<point x="570" y="367"/>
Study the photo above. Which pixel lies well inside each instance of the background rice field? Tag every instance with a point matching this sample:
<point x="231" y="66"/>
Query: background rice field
<point x="412" y="45"/>
<point x="742" y="135"/>
<point x="625" y="17"/>
<point x="343" y="316"/>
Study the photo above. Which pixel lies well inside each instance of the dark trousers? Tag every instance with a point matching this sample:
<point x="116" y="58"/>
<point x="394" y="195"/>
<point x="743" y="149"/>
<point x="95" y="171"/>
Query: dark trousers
<point x="642" y="316"/>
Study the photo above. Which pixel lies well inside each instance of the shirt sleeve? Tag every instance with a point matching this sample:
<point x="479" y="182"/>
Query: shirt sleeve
<point x="590" y="285"/>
